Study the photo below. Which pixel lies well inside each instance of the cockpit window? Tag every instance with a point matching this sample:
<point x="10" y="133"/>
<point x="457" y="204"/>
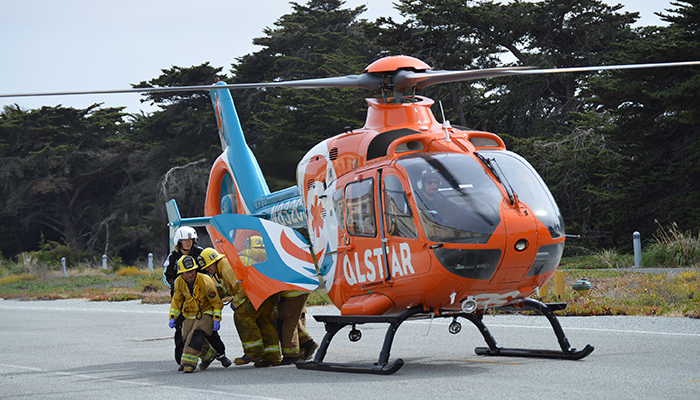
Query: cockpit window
<point x="457" y="200"/>
<point x="530" y="189"/>
<point x="338" y="208"/>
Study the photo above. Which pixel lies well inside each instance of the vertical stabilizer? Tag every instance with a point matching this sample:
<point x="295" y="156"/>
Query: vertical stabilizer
<point x="173" y="219"/>
<point x="247" y="174"/>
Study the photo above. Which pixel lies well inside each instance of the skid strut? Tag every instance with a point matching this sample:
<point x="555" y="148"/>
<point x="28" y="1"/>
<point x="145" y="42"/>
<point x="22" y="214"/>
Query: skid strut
<point x="335" y="323"/>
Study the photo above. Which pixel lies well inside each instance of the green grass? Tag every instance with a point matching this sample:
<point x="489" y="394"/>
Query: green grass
<point x="616" y="289"/>
<point x="614" y="292"/>
<point x="605" y="259"/>
<point x="91" y="285"/>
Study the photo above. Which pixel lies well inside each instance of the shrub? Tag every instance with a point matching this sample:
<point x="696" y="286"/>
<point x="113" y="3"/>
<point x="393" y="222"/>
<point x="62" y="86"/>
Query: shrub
<point x="52" y="252"/>
<point x="613" y="259"/>
<point x="130" y="271"/>
<point x="16" y="278"/>
<point x="152" y="283"/>
<point x="601" y="260"/>
<point x="318" y="297"/>
<point x="673" y="248"/>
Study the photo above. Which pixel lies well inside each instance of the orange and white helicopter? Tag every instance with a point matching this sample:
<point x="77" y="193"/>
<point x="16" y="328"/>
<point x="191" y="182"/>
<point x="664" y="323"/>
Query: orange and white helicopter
<point x="408" y="217"/>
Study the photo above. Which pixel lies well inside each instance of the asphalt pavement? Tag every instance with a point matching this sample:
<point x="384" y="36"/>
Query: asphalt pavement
<point x="117" y="350"/>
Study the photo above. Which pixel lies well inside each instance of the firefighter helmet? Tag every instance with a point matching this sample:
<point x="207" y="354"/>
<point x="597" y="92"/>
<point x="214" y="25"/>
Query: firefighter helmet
<point x="186" y="263"/>
<point x="210" y="256"/>
<point x="254" y="242"/>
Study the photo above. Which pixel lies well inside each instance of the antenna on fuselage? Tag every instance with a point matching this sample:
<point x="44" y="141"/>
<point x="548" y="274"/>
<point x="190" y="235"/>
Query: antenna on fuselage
<point x="445" y="124"/>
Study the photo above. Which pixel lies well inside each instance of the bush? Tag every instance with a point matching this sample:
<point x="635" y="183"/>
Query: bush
<point x="52" y="252"/>
<point x="130" y="271"/>
<point x="613" y="259"/>
<point x="673" y="248"/>
<point x="16" y="278"/>
<point x="152" y="283"/>
<point x="318" y="297"/>
<point x="24" y="263"/>
<point x="601" y="260"/>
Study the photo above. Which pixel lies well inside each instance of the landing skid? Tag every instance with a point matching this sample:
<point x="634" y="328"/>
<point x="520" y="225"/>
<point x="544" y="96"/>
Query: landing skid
<point x="335" y="323"/>
<point x="530" y="305"/>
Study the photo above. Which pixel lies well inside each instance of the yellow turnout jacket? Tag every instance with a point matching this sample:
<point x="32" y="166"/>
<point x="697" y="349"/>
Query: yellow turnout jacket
<point x="229" y="281"/>
<point x="203" y="300"/>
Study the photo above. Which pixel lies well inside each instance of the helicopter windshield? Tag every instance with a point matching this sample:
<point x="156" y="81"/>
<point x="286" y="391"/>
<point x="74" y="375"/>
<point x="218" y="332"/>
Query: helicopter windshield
<point x="529" y="188"/>
<point x="457" y="200"/>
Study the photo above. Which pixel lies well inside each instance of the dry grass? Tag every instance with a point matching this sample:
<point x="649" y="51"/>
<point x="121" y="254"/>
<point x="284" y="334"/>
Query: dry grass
<point x="88" y="283"/>
<point x="675" y="292"/>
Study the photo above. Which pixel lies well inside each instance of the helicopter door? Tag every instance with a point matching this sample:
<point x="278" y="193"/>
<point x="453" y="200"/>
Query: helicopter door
<point x="405" y="253"/>
<point x="360" y="253"/>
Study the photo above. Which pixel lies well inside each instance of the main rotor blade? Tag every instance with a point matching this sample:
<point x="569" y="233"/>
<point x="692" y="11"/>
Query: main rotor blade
<point x="407" y="79"/>
<point x="609" y="67"/>
<point x="402" y="79"/>
<point x="364" y="81"/>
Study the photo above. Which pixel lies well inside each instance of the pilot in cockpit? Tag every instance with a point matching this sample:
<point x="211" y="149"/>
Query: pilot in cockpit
<point x="428" y="194"/>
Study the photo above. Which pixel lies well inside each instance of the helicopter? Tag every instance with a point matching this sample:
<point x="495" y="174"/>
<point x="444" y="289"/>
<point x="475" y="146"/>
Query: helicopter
<point x="408" y="217"/>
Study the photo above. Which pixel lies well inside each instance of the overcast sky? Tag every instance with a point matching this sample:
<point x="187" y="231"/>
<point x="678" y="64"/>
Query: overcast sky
<point x="71" y="45"/>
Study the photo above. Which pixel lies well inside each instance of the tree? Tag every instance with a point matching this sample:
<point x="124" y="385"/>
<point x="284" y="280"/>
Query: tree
<point x="181" y="138"/>
<point x="61" y="168"/>
<point x="546" y="34"/>
<point x="97" y="179"/>
<point x="319" y="39"/>
<point x="180" y="143"/>
<point x="656" y="126"/>
<point x="581" y="170"/>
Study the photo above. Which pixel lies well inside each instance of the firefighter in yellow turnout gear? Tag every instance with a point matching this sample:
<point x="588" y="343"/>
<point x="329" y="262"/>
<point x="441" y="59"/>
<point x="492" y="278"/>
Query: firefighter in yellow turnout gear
<point x="297" y="343"/>
<point x="196" y="295"/>
<point x="255" y="327"/>
<point x="219" y="268"/>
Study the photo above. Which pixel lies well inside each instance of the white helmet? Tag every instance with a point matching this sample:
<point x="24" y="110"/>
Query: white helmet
<point x="184" y="233"/>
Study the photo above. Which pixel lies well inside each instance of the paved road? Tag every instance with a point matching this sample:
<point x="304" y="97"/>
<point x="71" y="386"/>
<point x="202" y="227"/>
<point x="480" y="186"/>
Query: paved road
<point x="100" y="350"/>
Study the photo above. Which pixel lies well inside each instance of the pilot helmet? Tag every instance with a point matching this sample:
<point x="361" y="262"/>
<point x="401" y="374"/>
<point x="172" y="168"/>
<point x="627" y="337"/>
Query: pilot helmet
<point x="184" y="233"/>
<point x="426" y="175"/>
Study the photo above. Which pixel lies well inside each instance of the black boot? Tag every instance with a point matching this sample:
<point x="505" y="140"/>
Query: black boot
<point x="308" y="349"/>
<point x="224" y="360"/>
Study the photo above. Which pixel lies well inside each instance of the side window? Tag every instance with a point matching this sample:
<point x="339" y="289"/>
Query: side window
<point x="250" y="246"/>
<point x="338" y="208"/>
<point x="397" y="212"/>
<point x="359" y="208"/>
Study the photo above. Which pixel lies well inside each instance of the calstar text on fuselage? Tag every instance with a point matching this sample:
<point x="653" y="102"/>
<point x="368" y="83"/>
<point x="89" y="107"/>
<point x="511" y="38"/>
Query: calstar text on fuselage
<point x="372" y="266"/>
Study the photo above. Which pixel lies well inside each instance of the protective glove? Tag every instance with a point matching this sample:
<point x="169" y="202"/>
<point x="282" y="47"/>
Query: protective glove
<point x="232" y="306"/>
<point x="171" y="323"/>
<point x="217" y="325"/>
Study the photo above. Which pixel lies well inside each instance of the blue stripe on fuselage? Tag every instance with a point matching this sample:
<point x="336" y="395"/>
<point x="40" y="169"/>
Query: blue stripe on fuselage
<point x="247" y="174"/>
